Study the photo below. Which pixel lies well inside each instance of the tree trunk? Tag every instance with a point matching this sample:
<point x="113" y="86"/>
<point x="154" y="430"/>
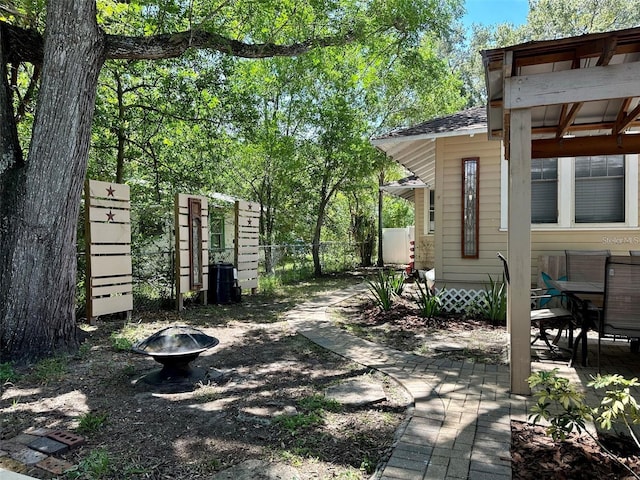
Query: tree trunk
<point x="40" y="199"/>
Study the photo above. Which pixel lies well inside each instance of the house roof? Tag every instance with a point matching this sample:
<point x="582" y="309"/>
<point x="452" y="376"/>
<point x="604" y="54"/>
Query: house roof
<point x="471" y="120"/>
<point x="404" y="188"/>
<point x="585" y="86"/>
<point x="414" y="146"/>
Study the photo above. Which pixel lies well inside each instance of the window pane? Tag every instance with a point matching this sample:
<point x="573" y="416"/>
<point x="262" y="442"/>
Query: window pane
<point x="544" y="191"/>
<point x="470" y="208"/>
<point x="615" y="165"/>
<point x="544" y="202"/>
<point x="598" y="166"/>
<point x="582" y="167"/>
<point x="599" y="197"/>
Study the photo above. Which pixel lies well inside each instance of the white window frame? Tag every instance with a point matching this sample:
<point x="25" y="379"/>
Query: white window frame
<point x="566" y="195"/>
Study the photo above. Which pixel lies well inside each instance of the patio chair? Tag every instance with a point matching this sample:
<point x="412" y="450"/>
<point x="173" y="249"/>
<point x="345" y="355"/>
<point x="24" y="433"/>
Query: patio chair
<point x="621" y="310"/>
<point x="587" y="266"/>
<point x="545" y="319"/>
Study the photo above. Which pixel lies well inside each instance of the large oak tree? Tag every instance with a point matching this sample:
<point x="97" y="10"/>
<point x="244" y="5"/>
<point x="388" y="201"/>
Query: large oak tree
<point x="41" y="183"/>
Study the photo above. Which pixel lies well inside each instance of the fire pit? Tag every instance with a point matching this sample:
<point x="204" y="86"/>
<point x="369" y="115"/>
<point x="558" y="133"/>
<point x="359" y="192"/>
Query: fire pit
<point x="175" y="348"/>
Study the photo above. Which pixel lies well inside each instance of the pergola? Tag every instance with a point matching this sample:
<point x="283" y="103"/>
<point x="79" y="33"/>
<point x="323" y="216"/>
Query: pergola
<point x="560" y="98"/>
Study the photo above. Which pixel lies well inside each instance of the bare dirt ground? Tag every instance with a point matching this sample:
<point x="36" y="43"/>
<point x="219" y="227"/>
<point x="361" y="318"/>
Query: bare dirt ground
<point x="535" y="455"/>
<point x="266" y="407"/>
<point x="134" y="431"/>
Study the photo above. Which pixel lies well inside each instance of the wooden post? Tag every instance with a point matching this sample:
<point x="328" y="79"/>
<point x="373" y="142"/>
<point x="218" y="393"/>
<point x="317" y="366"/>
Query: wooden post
<point x="519" y="257"/>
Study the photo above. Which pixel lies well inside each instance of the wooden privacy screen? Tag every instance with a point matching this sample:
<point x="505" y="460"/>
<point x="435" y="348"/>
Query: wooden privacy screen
<point x="108" y="249"/>
<point x="247" y="232"/>
<point x="192" y="246"/>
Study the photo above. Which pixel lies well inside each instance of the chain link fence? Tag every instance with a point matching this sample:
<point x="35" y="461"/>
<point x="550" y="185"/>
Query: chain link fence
<point x="153" y="270"/>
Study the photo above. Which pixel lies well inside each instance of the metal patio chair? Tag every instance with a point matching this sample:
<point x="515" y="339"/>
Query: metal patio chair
<point x="557" y="318"/>
<point x="621" y="310"/>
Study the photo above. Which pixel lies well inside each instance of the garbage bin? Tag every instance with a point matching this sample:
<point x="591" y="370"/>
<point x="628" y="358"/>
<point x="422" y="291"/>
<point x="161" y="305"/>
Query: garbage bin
<point x="221" y="282"/>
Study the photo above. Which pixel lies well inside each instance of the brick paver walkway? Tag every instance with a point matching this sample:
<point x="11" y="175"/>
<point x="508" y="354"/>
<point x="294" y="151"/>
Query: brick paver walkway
<point x="459" y="425"/>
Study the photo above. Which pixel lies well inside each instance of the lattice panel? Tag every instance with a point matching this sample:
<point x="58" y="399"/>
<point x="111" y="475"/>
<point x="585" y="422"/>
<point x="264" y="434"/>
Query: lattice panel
<point x="457" y="300"/>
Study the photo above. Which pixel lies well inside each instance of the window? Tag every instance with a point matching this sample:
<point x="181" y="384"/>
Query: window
<point x="599" y="189"/>
<point x="470" y="207"/>
<point x="432" y="211"/>
<point x="544" y="190"/>
<point x="590" y="192"/>
<point x="216" y="230"/>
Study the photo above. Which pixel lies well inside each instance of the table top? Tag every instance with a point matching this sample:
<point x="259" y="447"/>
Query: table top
<point x="571" y="286"/>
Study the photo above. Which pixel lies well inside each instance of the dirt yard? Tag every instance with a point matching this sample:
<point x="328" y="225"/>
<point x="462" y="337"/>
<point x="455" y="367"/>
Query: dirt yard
<point x="268" y="404"/>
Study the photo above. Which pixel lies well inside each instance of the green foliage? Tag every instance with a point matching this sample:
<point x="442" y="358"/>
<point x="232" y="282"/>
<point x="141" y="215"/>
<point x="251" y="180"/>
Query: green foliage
<point x="120" y="344"/>
<point x="385" y="287"/>
<point x="98" y="464"/>
<point x="7" y="373"/>
<point x="50" y="369"/>
<point x="565" y="409"/>
<point x="91" y="422"/>
<point x="429" y="303"/>
<point x="618" y="405"/>
<point x="318" y="403"/>
<point x="560" y="403"/>
<point x="313" y="409"/>
<point x="493" y="302"/>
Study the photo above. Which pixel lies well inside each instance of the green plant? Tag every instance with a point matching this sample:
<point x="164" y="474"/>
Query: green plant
<point x="7" y="373"/>
<point x="429" y="303"/>
<point x="50" y="369"/>
<point x="314" y="408"/>
<point x="120" y="344"/>
<point x="618" y="404"/>
<point x="90" y="422"/>
<point x="565" y="409"/>
<point x="493" y="303"/>
<point x="385" y="287"/>
<point x="316" y="403"/>
<point x="96" y="465"/>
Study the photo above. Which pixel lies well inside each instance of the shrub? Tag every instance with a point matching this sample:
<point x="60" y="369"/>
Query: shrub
<point x="493" y="302"/>
<point x="429" y="303"/>
<point x="565" y="408"/>
<point x="385" y="287"/>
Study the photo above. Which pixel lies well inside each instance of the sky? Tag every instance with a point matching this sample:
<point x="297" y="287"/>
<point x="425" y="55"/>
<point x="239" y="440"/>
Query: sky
<point x="491" y="12"/>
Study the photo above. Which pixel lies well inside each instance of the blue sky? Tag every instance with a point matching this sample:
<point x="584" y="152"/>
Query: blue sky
<point x="490" y="12"/>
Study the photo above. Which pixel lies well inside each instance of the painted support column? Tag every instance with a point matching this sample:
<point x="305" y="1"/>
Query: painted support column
<point x="519" y="254"/>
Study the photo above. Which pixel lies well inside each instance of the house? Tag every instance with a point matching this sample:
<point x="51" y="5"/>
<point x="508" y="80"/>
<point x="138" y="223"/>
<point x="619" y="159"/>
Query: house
<point x="564" y="113"/>
<point x="588" y="202"/>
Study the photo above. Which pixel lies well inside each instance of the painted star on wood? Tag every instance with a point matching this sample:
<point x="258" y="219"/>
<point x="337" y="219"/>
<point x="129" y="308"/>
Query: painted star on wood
<point x="249" y="222"/>
<point x="110" y="191"/>
<point x="110" y="216"/>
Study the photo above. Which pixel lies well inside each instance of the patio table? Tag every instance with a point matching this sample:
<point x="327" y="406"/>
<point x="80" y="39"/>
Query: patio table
<point x="581" y="295"/>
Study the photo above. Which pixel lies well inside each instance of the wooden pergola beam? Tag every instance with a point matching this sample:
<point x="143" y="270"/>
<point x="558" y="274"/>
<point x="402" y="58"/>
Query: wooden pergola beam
<point x="585" y="146"/>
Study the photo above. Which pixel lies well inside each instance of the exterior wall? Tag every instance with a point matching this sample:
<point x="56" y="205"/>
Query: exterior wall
<point x="442" y="250"/>
<point x="451" y="268"/>
<point x="424" y="242"/>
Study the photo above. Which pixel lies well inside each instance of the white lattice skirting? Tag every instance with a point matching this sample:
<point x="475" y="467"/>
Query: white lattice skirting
<point x="458" y="300"/>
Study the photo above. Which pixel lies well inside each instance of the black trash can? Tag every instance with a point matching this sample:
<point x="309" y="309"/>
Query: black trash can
<point x="221" y="282"/>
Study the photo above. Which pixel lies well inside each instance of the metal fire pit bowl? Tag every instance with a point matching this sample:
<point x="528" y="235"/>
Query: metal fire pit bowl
<point x="175" y="348"/>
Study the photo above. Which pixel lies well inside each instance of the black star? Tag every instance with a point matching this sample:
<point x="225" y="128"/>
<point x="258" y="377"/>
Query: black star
<point x="110" y="191"/>
<point x="110" y="216"/>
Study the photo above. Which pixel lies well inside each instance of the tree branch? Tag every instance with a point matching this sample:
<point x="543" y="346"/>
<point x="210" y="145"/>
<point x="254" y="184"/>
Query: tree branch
<point x="175" y="44"/>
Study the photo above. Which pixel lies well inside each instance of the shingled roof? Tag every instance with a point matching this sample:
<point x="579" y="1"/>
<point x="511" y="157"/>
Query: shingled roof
<point x="470" y="119"/>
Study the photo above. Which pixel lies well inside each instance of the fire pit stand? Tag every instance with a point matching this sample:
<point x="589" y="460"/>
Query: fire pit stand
<point x="175" y="348"/>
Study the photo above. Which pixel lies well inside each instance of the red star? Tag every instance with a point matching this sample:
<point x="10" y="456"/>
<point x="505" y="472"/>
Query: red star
<point x="110" y="216"/>
<point x="110" y="191"/>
